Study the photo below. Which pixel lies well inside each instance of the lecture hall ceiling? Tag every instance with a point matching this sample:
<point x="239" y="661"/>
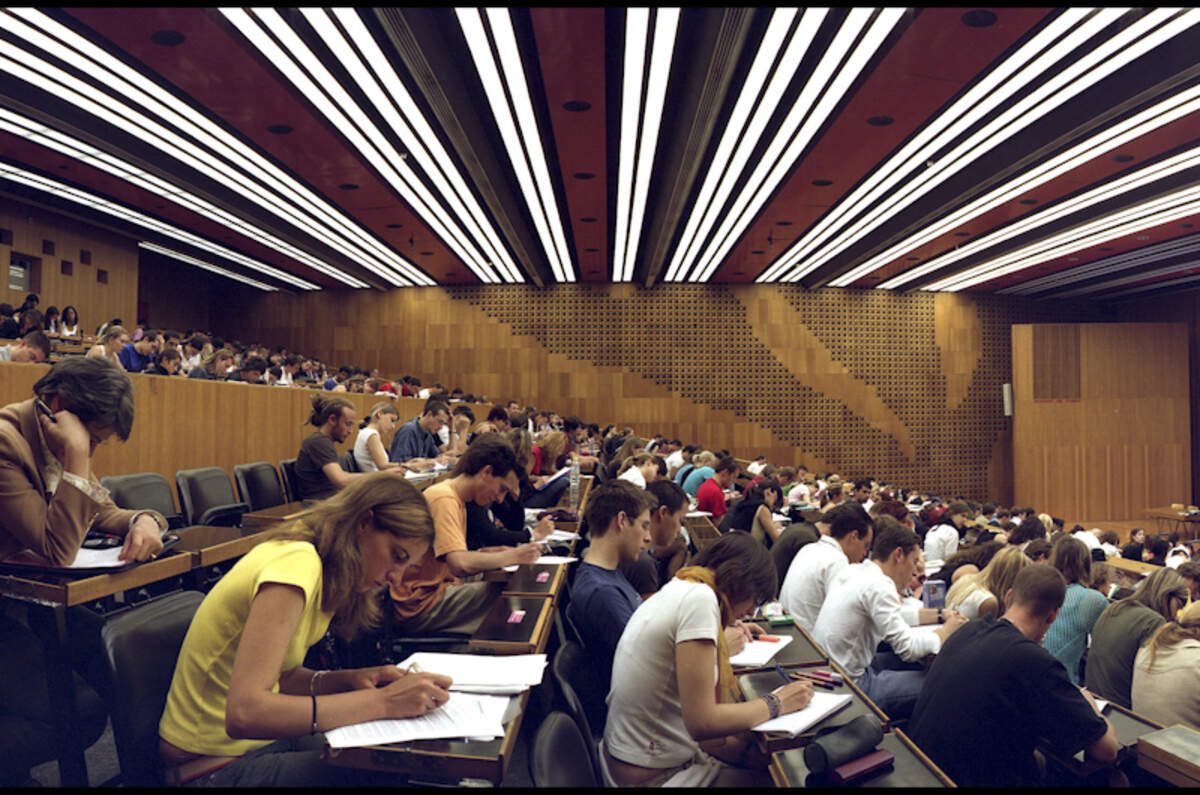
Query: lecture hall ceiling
<point x="1040" y="152"/>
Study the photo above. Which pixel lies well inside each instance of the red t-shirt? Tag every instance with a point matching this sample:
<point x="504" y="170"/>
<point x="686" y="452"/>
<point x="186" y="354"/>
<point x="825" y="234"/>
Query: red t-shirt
<point x="709" y="497"/>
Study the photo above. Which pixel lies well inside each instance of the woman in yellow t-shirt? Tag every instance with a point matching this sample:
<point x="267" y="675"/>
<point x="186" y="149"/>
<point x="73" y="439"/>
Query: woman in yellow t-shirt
<point x="240" y="684"/>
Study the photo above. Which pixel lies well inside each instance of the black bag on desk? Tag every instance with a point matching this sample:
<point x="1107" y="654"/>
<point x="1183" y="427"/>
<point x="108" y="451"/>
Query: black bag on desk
<point x="843" y="744"/>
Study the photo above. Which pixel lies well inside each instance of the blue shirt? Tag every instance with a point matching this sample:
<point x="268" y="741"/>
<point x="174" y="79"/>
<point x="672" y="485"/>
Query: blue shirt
<point x="602" y="601"/>
<point x="133" y="361"/>
<point x="1067" y="637"/>
<point x="697" y="477"/>
<point x="413" y="441"/>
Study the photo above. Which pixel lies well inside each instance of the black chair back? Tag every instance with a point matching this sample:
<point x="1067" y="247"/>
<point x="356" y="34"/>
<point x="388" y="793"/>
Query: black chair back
<point x="559" y="756"/>
<point x="348" y="462"/>
<point x="207" y="498"/>
<point x="582" y="694"/>
<point x="258" y="485"/>
<point x="141" y="647"/>
<point x="144" y="491"/>
<point x="291" y="486"/>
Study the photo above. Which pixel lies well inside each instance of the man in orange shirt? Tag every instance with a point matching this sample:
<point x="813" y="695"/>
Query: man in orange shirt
<point x="432" y="597"/>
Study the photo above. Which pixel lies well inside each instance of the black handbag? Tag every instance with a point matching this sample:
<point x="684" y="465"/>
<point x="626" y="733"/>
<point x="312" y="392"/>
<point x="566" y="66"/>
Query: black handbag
<point x="843" y="744"/>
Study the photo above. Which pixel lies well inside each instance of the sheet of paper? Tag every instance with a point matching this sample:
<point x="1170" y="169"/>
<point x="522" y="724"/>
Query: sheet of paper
<point x="759" y="652"/>
<point x="694" y="514"/>
<point x="560" y="473"/>
<point x="555" y="559"/>
<point x="464" y="715"/>
<point x="822" y="705"/>
<point x="85" y="559"/>
<point x="562" y="535"/>
<point x="473" y="671"/>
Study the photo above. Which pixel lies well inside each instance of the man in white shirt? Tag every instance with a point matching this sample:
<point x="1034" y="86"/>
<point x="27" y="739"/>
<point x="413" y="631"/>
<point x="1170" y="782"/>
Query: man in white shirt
<point x="678" y="458"/>
<point x="942" y="541"/>
<point x="815" y="565"/>
<point x="756" y="466"/>
<point x="1090" y="538"/>
<point x="863" y="608"/>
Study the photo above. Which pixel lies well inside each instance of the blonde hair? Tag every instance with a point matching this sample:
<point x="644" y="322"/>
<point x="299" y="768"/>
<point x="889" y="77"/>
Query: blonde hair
<point x="522" y="444"/>
<point x="704" y="459"/>
<point x="382" y="407"/>
<point x="397" y="508"/>
<point x="634" y="461"/>
<point x="997" y="578"/>
<point x="1155" y="592"/>
<point x="111" y="333"/>
<point x="552" y="446"/>
<point x="209" y="362"/>
<point x="1047" y="521"/>
<point x="1186" y="626"/>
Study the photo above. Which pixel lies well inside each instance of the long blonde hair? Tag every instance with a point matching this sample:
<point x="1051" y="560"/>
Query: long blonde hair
<point x="1155" y="592"/>
<point x="1186" y="626"/>
<point x="397" y="507"/>
<point x="997" y="578"/>
<point x="552" y="446"/>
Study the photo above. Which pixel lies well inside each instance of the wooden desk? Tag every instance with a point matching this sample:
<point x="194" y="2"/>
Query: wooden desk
<point x="524" y="636"/>
<point x="754" y="685"/>
<point x="1177" y="520"/>
<point x="1130" y="572"/>
<point x="257" y="521"/>
<point x="528" y="580"/>
<point x="1127" y="724"/>
<point x="802" y="652"/>
<point x="210" y="545"/>
<point x="911" y="767"/>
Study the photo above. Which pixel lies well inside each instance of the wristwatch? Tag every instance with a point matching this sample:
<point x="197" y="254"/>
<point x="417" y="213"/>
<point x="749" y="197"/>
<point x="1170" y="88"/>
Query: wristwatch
<point x="940" y="619"/>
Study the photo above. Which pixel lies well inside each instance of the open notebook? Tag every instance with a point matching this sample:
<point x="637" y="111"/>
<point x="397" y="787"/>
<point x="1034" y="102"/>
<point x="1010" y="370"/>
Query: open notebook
<point x="821" y="706"/>
<point x="759" y="652"/>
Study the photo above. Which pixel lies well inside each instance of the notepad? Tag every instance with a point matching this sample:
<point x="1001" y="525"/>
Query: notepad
<point x="480" y="673"/>
<point x="822" y="706"/>
<point x="463" y="715"/>
<point x="759" y="652"/>
<point x="554" y="477"/>
<point x="108" y="558"/>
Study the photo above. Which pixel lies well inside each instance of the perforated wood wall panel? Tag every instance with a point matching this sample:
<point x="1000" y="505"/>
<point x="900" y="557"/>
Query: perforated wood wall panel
<point x="904" y="387"/>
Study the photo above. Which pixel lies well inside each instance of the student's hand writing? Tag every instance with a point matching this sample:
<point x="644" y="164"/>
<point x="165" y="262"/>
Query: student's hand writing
<point x="735" y="639"/>
<point x="755" y="629"/>
<point x="143" y="541"/>
<point x="363" y="678"/>
<point x="415" y="694"/>
<point x="543" y="528"/>
<point x="794" y="696"/>
<point x="526" y="553"/>
<point x="952" y="620"/>
<point x="69" y="441"/>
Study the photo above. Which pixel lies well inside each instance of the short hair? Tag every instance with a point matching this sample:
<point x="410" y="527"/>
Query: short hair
<point x="727" y="464"/>
<point x="171" y="334"/>
<point x="93" y="389"/>
<point x="989" y="508"/>
<point x="1037" y="548"/>
<point x="1110" y="537"/>
<point x="845" y="519"/>
<point x="1159" y="547"/>
<point x="742" y="569"/>
<point x="1189" y="570"/>
<point x="197" y="341"/>
<point x="890" y="535"/>
<point x="613" y="497"/>
<point x="955" y="508"/>
<point x="862" y="483"/>
<point x="1002" y="513"/>
<point x="38" y="339"/>
<point x="170" y="355"/>
<point x="893" y="508"/>
<point x="435" y="406"/>
<point x="256" y="363"/>
<point x="462" y="410"/>
<point x="690" y="448"/>
<point x="1029" y="529"/>
<point x="498" y="414"/>
<point x="326" y="406"/>
<point x="571" y="422"/>
<point x="668" y="493"/>
<point x="1040" y="589"/>
<point x="487" y="449"/>
<point x="1072" y="557"/>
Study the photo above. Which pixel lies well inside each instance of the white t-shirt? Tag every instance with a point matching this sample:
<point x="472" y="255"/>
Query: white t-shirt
<point x="941" y="542"/>
<point x="675" y="460"/>
<point x="754" y="467"/>
<point x="970" y="604"/>
<point x="645" y="717"/>
<point x="807" y="580"/>
<point x="1088" y="538"/>
<point x="362" y="456"/>
<point x="424" y="394"/>
<point x="444" y="435"/>
<point x="634" y="476"/>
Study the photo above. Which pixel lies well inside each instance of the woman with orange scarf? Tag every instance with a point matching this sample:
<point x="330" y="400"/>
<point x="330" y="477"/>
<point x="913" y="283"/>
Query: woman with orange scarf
<point x="673" y="714"/>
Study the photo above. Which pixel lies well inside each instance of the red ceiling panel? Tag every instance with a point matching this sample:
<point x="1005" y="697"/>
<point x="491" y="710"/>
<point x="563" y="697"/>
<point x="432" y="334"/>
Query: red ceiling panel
<point x="215" y="69"/>
<point x="923" y="70"/>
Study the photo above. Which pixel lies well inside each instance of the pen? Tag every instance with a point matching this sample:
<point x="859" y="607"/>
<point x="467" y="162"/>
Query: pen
<point x="413" y="668"/>
<point x="815" y="681"/>
<point x="783" y="675"/>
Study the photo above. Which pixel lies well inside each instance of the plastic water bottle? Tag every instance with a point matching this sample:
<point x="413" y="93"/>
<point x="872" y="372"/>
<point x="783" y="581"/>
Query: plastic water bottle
<point x="574" y="489"/>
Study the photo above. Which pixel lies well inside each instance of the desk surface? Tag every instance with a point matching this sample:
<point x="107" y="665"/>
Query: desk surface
<point x="1167" y="512"/>
<point x="209" y="545"/>
<point x="911" y="767"/>
<point x="71" y="590"/>
<point x="273" y="515"/>
<point x="802" y="651"/>
<point x="1138" y="567"/>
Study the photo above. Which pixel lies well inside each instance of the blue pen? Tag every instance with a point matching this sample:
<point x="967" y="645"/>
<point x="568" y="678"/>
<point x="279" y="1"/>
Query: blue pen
<point x="787" y="680"/>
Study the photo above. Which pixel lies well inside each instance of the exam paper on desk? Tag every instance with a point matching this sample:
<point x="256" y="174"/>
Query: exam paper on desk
<point x="463" y="715"/>
<point x="551" y="559"/>
<point x="480" y="673"/>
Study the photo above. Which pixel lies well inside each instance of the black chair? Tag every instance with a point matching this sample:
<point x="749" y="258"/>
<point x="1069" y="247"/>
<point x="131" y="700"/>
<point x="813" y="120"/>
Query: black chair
<point x="559" y="756"/>
<point x="144" y="490"/>
<point x="348" y="462"/>
<point x="291" y="486"/>
<point x="140" y="648"/>
<point x="582" y="694"/>
<point x="258" y="485"/>
<point x="207" y="498"/>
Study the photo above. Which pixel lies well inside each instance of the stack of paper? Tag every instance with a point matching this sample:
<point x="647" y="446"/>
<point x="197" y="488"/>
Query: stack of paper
<point x="561" y="535"/>
<point x="464" y="715"/>
<point x="821" y="706"/>
<point x="549" y="559"/>
<point x="108" y="558"/>
<point x="759" y="652"/>
<point x="479" y="673"/>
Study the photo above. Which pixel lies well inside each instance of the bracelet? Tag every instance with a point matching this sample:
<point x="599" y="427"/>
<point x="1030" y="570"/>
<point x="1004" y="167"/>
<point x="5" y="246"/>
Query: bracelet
<point x="773" y="704"/>
<point x="312" y="683"/>
<point x="313" y="696"/>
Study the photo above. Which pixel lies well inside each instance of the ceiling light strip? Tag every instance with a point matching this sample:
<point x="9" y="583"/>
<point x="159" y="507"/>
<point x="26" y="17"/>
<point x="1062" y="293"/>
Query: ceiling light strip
<point x="62" y="190"/>
<point x="416" y="133"/>
<point x="1107" y="265"/>
<point x="518" y="90"/>
<point x="759" y="190"/>
<point x="729" y="159"/>
<point x="1160" y="285"/>
<point x="208" y="266"/>
<point x="1080" y="73"/>
<point x="137" y="87"/>
<point x="1106" y="140"/>
<point x="1112" y="284"/>
<point x="637" y="29"/>
<point x="1097" y="195"/>
<point x="1070" y="241"/>
<point x="666" y="23"/>
<point x="981" y="99"/>
<point x="471" y="22"/>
